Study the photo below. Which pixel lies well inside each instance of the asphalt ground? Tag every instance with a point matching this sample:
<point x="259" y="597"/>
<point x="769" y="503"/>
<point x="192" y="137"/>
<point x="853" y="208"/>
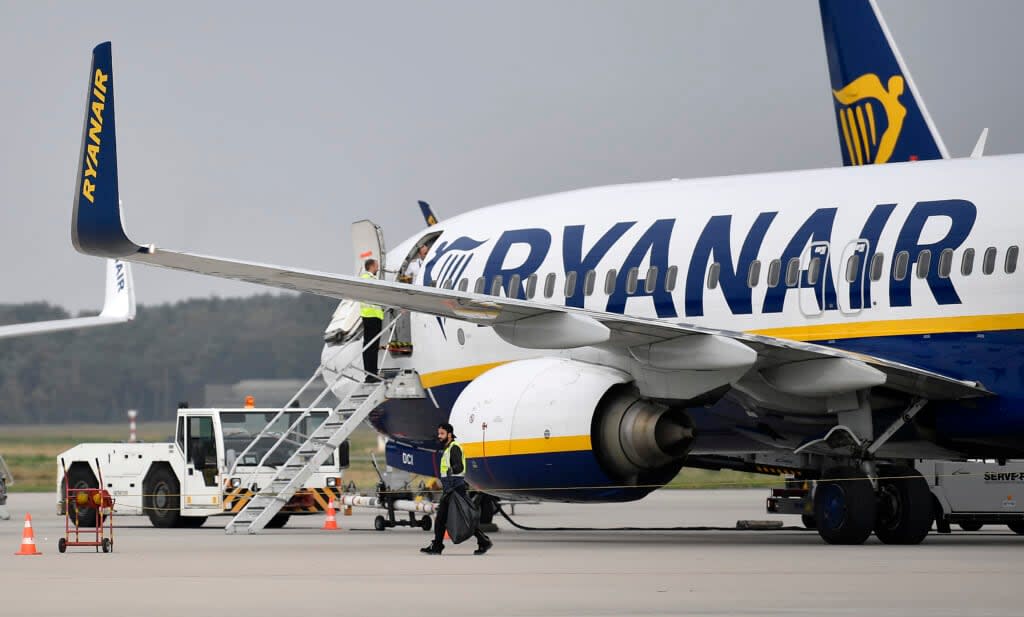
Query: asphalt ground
<point x="358" y="571"/>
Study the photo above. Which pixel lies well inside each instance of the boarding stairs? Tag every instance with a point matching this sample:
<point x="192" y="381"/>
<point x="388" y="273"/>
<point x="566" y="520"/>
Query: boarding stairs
<point x="358" y="400"/>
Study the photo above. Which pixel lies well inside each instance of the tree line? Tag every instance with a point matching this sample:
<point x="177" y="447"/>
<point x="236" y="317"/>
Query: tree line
<point x="167" y="354"/>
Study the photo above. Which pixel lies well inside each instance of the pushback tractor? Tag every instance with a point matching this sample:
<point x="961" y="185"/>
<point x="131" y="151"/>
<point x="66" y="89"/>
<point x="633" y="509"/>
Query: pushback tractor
<point x="217" y="462"/>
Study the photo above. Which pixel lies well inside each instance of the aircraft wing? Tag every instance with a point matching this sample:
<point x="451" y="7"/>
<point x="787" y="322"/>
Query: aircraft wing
<point x="118" y="307"/>
<point x="503" y="313"/>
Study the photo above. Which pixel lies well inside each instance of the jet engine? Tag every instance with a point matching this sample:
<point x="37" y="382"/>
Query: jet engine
<point x="560" y="429"/>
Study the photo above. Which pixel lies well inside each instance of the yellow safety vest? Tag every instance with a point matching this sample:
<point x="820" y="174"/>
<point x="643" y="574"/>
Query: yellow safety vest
<point x="446" y="460"/>
<point x="370" y="310"/>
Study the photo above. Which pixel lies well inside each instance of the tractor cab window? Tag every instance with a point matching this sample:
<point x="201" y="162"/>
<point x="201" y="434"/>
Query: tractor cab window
<point x="241" y="428"/>
<point x="179" y="435"/>
<point x="202" y="448"/>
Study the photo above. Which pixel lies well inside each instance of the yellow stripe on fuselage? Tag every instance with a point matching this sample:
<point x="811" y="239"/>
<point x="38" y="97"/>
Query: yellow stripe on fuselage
<point x="822" y="332"/>
<point x="897" y="327"/>
<point x="456" y="375"/>
<point x="538" y="445"/>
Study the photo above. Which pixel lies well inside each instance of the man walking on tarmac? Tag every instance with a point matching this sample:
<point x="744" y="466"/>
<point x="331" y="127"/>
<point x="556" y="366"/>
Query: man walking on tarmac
<point x="373" y="321"/>
<point x="453" y="471"/>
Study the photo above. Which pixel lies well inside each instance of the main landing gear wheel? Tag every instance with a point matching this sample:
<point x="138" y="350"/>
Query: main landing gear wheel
<point x="971" y="526"/>
<point x="904" y="506"/>
<point x="844" y="506"/>
<point x="808" y="521"/>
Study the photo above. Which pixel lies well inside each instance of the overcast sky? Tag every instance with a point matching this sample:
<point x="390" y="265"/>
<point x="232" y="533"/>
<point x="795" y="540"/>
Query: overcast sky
<point x="262" y="130"/>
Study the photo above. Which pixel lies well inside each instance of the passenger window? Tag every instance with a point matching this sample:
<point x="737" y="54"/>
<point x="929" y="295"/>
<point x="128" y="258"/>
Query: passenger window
<point x="713" y="273"/>
<point x="549" y="285"/>
<point x="513" y="286"/>
<point x="900" y="266"/>
<point x="967" y="264"/>
<point x="670" y="278"/>
<point x="754" y="274"/>
<point x="631" y="277"/>
<point x="793" y="272"/>
<point x="570" y="284"/>
<point x="479" y="287"/>
<point x="988" y="265"/>
<point x="531" y="286"/>
<point x="449" y="283"/>
<point x="813" y="270"/>
<point x="945" y="263"/>
<point x="774" y="271"/>
<point x="877" y="266"/>
<point x="589" y="280"/>
<point x="496" y="285"/>
<point x="852" y="268"/>
<point x="609" y="281"/>
<point x="924" y="262"/>
<point x="651" y="282"/>
<point x="1011" y="259"/>
<point x="463" y="284"/>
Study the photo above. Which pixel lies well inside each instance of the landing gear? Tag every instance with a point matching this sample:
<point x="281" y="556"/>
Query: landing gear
<point x="844" y="506"/>
<point x="904" y="506"/>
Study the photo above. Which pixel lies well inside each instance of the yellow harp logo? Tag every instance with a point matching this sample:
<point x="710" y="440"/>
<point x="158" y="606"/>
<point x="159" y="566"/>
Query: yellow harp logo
<point x="857" y="117"/>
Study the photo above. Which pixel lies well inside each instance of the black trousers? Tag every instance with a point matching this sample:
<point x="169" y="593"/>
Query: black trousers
<point x="441" y="521"/>
<point x="371" y="329"/>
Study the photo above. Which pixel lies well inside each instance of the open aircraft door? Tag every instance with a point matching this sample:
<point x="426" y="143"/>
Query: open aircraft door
<point x="367" y="243"/>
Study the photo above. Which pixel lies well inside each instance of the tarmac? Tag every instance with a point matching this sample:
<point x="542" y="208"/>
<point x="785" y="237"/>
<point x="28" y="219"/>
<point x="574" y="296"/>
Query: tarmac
<point x="358" y="571"/>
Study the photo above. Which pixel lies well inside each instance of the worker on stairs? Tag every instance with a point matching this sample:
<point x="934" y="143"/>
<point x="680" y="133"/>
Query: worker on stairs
<point x="373" y="322"/>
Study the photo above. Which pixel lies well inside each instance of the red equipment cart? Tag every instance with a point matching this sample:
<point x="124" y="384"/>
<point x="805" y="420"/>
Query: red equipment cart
<point x="88" y="513"/>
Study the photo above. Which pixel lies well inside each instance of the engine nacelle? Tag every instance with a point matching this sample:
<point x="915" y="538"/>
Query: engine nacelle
<point x="560" y="429"/>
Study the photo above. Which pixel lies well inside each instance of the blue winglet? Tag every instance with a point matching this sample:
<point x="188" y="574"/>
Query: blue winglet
<point x="879" y="114"/>
<point x="96" y="227"/>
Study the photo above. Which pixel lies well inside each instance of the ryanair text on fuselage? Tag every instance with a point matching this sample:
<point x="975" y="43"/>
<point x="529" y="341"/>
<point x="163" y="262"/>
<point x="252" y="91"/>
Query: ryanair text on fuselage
<point x="713" y="245"/>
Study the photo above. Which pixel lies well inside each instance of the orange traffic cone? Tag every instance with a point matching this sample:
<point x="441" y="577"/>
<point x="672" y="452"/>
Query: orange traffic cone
<point x="28" y="539"/>
<point x="330" y="523"/>
<point x="446" y="536"/>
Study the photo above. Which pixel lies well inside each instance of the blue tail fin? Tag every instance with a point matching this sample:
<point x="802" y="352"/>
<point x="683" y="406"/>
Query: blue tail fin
<point x="428" y="214"/>
<point x="96" y="227"/>
<point x="879" y="114"/>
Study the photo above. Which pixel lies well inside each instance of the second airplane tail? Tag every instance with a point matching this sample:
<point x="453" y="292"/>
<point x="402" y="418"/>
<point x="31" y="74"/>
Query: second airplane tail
<point x="880" y="116"/>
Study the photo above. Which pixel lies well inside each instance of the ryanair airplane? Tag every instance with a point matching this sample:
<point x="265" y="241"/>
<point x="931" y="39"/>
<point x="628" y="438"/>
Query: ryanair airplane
<point x="118" y="307"/>
<point x="836" y="323"/>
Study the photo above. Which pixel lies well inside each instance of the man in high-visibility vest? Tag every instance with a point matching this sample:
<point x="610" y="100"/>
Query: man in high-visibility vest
<point x="453" y="478"/>
<point x="373" y="321"/>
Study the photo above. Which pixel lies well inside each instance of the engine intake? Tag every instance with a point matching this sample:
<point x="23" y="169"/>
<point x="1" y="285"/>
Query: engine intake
<point x="634" y="436"/>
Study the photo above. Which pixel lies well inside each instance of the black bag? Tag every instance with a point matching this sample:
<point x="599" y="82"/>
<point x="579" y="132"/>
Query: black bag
<point x="463" y="516"/>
